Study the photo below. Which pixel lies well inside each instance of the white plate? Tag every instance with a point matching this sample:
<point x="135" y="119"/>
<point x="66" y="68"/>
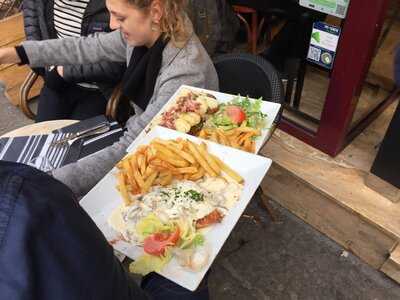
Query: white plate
<point x="271" y="109"/>
<point x="103" y="198"/>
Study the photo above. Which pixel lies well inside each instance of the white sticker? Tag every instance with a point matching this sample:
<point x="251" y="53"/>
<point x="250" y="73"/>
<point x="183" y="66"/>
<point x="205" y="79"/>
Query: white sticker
<point x="336" y="8"/>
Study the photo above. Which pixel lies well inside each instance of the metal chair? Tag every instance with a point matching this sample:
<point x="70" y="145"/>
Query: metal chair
<point x="253" y="30"/>
<point x="251" y="75"/>
<point x="248" y="74"/>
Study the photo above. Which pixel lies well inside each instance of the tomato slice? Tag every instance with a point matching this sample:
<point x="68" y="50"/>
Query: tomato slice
<point x="156" y="243"/>
<point x="235" y="113"/>
<point x="213" y="217"/>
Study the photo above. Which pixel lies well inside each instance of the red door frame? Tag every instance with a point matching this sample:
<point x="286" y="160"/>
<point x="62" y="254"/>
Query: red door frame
<point x="360" y="34"/>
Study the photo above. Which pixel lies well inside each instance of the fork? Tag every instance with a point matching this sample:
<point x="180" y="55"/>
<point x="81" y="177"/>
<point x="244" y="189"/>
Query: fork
<point x="101" y="128"/>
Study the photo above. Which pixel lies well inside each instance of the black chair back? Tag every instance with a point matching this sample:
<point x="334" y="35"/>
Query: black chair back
<point x="249" y="75"/>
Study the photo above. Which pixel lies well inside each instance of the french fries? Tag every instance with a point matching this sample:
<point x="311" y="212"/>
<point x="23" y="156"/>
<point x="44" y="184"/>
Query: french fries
<point x="209" y="159"/>
<point x="231" y="173"/>
<point x="241" y="138"/>
<point x="162" y="161"/>
<point x="200" y="159"/>
<point x="123" y="189"/>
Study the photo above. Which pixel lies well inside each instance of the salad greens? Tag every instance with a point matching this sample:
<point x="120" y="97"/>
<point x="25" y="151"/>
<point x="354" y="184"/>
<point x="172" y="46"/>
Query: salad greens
<point x="252" y="108"/>
<point x="189" y="239"/>
<point x="150" y="263"/>
<point x="152" y="224"/>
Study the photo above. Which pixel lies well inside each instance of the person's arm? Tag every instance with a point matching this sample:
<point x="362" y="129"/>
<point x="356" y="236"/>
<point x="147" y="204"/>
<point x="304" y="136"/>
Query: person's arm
<point x="67" y="51"/>
<point x="104" y="71"/>
<point x="32" y="28"/>
<point x="84" y="175"/>
<point x="71" y="51"/>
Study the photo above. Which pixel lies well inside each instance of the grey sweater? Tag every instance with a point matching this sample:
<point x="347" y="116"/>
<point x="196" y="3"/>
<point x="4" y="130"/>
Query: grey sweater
<point x="189" y="65"/>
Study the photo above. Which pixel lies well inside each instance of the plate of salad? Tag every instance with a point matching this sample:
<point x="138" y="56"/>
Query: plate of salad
<point x="231" y="120"/>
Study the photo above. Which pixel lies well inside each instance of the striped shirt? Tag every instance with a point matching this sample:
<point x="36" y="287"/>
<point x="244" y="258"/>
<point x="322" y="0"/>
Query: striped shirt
<point x="68" y="16"/>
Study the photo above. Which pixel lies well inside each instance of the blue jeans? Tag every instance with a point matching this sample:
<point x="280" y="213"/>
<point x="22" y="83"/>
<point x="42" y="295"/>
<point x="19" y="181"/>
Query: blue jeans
<point x="160" y="288"/>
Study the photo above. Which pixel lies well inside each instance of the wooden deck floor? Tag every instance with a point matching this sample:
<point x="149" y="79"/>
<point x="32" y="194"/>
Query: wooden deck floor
<point x="330" y="194"/>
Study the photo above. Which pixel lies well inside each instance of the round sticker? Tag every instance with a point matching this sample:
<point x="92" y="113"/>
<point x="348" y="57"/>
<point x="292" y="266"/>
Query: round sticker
<point x="326" y="58"/>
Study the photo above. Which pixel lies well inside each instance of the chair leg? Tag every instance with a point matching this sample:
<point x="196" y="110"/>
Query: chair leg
<point x="259" y="28"/>
<point x="24" y="92"/>
<point x="254" y="32"/>
<point x="265" y="203"/>
<point x="248" y="29"/>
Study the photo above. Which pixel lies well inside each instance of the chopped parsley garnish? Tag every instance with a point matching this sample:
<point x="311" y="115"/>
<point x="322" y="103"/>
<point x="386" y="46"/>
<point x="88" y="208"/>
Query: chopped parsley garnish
<point x="196" y="196"/>
<point x="164" y="194"/>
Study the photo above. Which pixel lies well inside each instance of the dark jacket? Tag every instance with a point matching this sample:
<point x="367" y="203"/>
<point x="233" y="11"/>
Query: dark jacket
<point x="397" y="67"/>
<point x="49" y="247"/>
<point x="39" y="25"/>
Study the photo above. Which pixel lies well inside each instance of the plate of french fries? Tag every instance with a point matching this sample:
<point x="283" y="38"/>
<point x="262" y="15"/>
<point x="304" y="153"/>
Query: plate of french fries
<point x="231" y="120"/>
<point x="162" y="161"/>
<point x="164" y="157"/>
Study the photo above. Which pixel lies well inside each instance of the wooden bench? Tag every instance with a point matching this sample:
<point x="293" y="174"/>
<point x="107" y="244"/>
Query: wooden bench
<point x="11" y="34"/>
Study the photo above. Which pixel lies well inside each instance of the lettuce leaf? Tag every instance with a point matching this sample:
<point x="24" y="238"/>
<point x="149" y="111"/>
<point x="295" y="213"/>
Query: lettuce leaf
<point x="198" y="240"/>
<point x="254" y="117"/>
<point x="189" y="235"/>
<point x="152" y="224"/>
<point x="149" y="263"/>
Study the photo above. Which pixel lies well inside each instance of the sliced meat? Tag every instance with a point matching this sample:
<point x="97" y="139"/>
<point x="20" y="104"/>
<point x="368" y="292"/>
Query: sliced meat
<point x="213" y="217"/>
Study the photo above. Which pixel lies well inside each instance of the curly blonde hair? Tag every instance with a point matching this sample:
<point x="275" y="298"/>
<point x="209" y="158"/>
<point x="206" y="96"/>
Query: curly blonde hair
<point x="172" y="22"/>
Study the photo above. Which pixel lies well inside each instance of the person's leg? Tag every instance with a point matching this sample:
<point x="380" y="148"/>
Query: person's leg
<point x="280" y="48"/>
<point x="53" y="105"/>
<point x="300" y="43"/>
<point x="89" y="103"/>
<point x="293" y="39"/>
<point x="160" y="288"/>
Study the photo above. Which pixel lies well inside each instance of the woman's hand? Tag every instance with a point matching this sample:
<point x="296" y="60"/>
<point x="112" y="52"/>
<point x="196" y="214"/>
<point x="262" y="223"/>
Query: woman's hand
<point x="9" y="56"/>
<point x="60" y="71"/>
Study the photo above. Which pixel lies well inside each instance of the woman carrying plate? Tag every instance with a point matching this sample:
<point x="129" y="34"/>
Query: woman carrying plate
<point x="156" y="39"/>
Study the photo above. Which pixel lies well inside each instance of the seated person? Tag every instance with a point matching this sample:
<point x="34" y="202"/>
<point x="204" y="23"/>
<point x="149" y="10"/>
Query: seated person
<point x="397" y="67"/>
<point x="51" y="249"/>
<point x="293" y="39"/>
<point x="71" y="91"/>
<point x="156" y="39"/>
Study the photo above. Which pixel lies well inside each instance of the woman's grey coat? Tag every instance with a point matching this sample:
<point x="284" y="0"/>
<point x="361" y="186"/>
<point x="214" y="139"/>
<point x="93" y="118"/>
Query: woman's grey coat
<point x="189" y="65"/>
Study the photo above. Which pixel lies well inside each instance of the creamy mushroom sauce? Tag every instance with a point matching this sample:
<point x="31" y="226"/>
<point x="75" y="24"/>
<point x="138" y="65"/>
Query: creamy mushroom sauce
<point x="182" y="199"/>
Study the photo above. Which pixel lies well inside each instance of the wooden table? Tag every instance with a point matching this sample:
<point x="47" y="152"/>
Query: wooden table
<point x="39" y="128"/>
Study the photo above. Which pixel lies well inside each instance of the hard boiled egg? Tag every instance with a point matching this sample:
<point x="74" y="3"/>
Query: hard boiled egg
<point x="182" y="125"/>
<point x="191" y="117"/>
